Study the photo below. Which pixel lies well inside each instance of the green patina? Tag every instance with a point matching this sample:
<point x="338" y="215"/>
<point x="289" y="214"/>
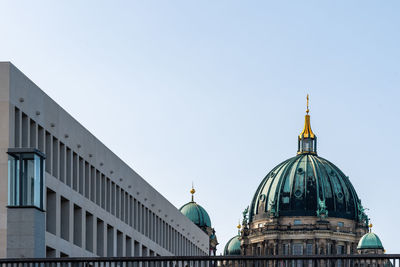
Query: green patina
<point x="232" y="247"/>
<point x="196" y="213"/>
<point x="370" y="241"/>
<point x="307" y="185"/>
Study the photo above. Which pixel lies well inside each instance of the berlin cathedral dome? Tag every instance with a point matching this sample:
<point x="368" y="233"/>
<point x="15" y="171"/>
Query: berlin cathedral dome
<point x="306" y="185"/>
<point x="304" y="206"/>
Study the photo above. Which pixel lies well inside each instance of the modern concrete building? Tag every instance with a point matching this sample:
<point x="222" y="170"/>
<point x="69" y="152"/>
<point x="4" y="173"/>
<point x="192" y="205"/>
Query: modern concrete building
<point x="64" y="193"/>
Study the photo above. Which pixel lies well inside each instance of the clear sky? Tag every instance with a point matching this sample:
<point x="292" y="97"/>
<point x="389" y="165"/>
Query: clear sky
<point x="214" y="91"/>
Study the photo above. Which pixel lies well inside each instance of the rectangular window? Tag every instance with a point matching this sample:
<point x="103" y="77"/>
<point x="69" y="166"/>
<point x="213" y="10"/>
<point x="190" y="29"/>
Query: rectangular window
<point x="117" y="201"/>
<point x="89" y="231"/>
<point x="122" y="198"/>
<point x="62" y="162"/>
<point x="25" y="130"/>
<point x="340" y="250"/>
<point x="309" y="249"/>
<point x="100" y="237"/>
<point x="144" y="251"/>
<point x="32" y="134"/>
<point x="135" y="215"/>
<point x="340" y="224"/>
<point x="128" y="247"/>
<point x="80" y="175"/>
<point x="92" y="183"/>
<point x="143" y="223"/>
<point x="136" y="249"/>
<point x="120" y="242"/>
<point x="110" y="241"/>
<point x="297" y="222"/>
<point x="55" y="157"/>
<point x="51" y="211"/>
<point x="74" y="171"/>
<point x="48" y="152"/>
<point x="68" y="167"/>
<point x="98" y="187"/>
<point x="87" y="180"/>
<point x="103" y="191"/>
<point x="112" y="198"/>
<point x="127" y="203"/>
<point x="40" y="138"/>
<point x="25" y="178"/>
<point x="297" y="249"/>
<point x="130" y="221"/>
<point x="77" y="226"/>
<point x="65" y="218"/>
<point x="108" y="195"/>
<point x="285" y="249"/>
<point x="17" y="127"/>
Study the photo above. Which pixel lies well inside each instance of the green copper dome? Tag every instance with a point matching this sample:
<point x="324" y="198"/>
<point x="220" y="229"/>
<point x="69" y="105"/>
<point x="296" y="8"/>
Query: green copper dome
<point x="306" y="185"/>
<point x="196" y="213"/>
<point x="232" y="247"/>
<point x="370" y="241"/>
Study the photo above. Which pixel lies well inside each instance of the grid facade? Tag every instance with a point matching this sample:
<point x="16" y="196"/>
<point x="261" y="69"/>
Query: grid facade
<point x="95" y="204"/>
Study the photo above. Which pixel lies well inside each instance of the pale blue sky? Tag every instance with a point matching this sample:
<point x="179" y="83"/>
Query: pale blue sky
<point x="214" y="91"/>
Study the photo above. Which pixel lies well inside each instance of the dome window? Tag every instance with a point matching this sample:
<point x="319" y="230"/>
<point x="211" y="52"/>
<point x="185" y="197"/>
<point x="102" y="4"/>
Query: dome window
<point x="298" y="193"/>
<point x="297" y="222"/>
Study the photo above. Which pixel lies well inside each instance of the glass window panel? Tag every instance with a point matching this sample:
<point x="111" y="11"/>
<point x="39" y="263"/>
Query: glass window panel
<point x="25" y="174"/>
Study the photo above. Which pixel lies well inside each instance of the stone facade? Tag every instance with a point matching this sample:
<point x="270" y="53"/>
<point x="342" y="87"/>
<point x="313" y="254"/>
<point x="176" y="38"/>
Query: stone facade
<point x="301" y="235"/>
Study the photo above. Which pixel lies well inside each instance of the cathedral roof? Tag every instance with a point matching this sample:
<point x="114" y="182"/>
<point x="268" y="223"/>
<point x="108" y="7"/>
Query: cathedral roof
<point x="306" y="185"/>
<point x="370" y="241"/>
<point x="196" y="213"/>
<point x="232" y="247"/>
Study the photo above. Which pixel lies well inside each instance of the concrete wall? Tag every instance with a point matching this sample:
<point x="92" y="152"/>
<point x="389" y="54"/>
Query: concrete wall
<point x="26" y="233"/>
<point x="4" y="144"/>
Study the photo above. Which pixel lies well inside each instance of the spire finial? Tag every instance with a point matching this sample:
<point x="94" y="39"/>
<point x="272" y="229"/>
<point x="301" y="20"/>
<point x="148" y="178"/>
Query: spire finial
<point x="307" y="141"/>
<point x="370" y="226"/>
<point x="239" y="227"/>
<point x="192" y="191"/>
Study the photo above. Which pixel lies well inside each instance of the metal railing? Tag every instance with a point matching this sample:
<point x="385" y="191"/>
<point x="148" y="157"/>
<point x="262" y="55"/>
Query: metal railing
<point x="366" y="260"/>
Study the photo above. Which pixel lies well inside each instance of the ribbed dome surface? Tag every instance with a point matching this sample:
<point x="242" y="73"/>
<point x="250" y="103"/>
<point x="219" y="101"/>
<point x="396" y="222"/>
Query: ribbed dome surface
<point x="306" y="185"/>
<point x="196" y="213"/>
<point x="370" y="241"/>
<point x="232" y="247"/>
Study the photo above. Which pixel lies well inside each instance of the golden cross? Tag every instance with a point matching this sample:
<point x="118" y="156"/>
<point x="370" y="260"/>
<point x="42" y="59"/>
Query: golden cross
<point x="307" y="105"/>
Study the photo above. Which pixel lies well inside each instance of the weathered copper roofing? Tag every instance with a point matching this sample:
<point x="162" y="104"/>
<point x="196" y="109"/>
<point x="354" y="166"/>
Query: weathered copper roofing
<point x="370" y="241"/>
<point x="196" y="213"/>
<point x="232" y="247"/>
<point x="306" y="185"/>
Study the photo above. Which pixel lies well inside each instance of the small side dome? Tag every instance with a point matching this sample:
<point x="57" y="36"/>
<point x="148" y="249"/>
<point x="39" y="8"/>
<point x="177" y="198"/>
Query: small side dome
<point x="370" y="241"/>
<point x="232" y="248"/>
<point x="196" y="213"/>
